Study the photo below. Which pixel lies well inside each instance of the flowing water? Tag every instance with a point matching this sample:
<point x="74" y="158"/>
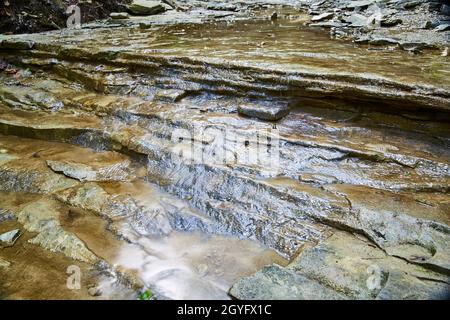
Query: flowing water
<point x="194" y="265"/>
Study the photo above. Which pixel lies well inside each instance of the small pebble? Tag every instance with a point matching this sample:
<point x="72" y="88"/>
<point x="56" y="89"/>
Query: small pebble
<point x="94" y="291"/>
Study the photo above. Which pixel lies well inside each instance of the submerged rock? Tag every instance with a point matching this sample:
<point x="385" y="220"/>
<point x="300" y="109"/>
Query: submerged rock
<point x="343" y="267"/>
<point x="322" y="16"/>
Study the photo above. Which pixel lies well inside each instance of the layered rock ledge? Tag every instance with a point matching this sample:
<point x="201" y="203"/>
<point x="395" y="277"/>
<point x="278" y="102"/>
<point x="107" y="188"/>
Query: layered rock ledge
<point x="114" y="135"/>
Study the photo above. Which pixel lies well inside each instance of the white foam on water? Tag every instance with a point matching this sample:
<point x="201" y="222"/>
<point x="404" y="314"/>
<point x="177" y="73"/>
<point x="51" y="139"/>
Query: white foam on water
<point x="193" y="265"/>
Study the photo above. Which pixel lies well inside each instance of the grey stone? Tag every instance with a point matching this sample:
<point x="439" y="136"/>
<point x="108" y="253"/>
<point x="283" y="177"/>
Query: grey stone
<point x="8" y="239"/>
<point x="222" y="7"/>
<point x="146" y="7"/>
<point x="114" y="170"/>
<point x="119" y="15"/>
<point x="323" y="16"/>
<point x="318" y="3"/>
<point x="391" y="22"/>
<point x="264" y="111"/>
<point x="276" y="283"/>
<point x="358" y="4"/>
<point x="356" y="20"/>
<point x="426" y="25"/>
<point x="402" y="286"/>
<point x="170" y="95"/>
<point x="443" y="27"/>
<point x="353" y="266"/>
<point x="414" y="46"/>
<point x="382" y="41"/>
<point x="412" y="4"/>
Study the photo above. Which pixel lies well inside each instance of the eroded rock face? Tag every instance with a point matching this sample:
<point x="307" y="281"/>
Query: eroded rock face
<point x="118" y="138"/>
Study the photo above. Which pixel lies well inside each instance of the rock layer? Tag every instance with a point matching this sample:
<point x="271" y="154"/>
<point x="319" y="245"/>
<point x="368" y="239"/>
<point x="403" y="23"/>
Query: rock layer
<point x="143" y="129"/>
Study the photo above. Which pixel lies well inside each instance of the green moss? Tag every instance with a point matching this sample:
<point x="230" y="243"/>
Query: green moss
<point x="146" y="295"/>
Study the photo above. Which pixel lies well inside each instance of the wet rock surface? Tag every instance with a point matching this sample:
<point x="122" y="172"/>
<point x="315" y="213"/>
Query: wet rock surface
<point x="146" y="7"/>
<point x="141" y="151"/>
<point x="403" y="22"/>
<point x="344" y="267"/>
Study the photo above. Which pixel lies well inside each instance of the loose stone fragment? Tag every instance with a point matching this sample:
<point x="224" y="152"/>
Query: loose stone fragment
<point x="146" y="8"/>
<point x="9" y="238"/>
<point x="119" y="15"/>
<point x="323" y="16"/>
<point x="270" y="111"/>
<point x="276" y="283"/>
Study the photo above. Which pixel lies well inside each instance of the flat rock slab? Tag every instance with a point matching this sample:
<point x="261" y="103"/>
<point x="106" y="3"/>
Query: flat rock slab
<point x="343" y="267"/>
<point x="270" y="111"/>
<point x="323" y="16"/>
<point x="146" y="8"/>
<point x="9" y="238"/>
<point x="355" y="267"/>
<point x="359" y="4"/>
<point x="119" y="15"/>
<point x="96" y="171"/>
<point x="276" y="283"/>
